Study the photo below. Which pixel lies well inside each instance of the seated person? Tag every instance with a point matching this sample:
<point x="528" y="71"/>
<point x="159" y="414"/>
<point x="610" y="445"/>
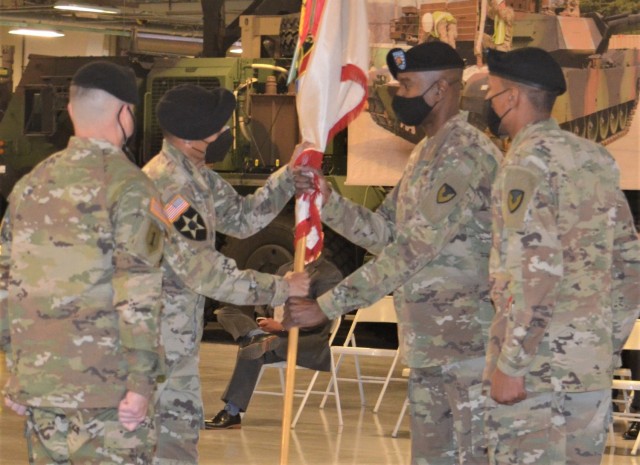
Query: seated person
<point x="266" y="342"/>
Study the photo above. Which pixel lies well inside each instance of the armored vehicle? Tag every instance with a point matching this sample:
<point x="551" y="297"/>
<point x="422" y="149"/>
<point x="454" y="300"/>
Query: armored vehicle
<point x="603" y="84"/>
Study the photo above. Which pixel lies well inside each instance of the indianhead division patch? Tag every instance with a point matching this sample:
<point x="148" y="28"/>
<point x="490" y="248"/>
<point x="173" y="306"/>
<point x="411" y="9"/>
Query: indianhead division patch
<point x="400" y="59"/>
<point x="186" y="219"/>
<point x="514" y="200"/>
<point x="446" y="193"/>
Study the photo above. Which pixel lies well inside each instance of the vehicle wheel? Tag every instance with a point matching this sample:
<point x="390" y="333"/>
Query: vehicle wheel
<point x="591" y="127"/>
<point x="265" y="251"/>
<point x="344" y="254"/>
<point x="614" y="119"/>
<point x="603" y="124"/>
<point x="578" y="127"/>
<point x="623" y="114"/>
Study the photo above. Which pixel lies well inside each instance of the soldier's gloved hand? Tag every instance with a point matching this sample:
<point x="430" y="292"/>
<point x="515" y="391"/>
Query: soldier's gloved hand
<point x="16" y="407"/>
<point x="132" y="410"/>
<point x="307" y="180"/>
<point x="298" y="283"/>
<point x="303" y="313"/>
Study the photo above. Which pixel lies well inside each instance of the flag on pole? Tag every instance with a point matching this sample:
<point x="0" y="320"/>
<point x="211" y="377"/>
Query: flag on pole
<point x="330" y="63"/>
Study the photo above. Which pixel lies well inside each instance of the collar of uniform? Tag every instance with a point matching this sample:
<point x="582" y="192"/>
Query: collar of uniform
<point x="532" y="128"/>
<point x="177" y="157"/>
<point x="84" y="143"/>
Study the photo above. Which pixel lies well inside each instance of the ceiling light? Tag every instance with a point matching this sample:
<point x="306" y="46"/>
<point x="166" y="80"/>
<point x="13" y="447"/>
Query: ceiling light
<point x="84" y="8"/>
<point x="36" y="32"/>
<point x="236" y="48"/>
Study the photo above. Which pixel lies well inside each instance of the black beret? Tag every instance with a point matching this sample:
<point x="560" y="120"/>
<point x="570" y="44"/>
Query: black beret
<point x="530" y="66"/>
<point x="428" y="56"/>
<point x="119" y="81"/>
<point x="192" y="112"/>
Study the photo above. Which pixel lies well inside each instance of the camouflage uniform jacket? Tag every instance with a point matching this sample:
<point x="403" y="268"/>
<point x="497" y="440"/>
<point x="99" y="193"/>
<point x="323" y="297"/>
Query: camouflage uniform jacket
<point x="431" y="236"/>
<point x="198" y="202"/>
<point x="80" y="280"/>
<point x="565" y="263"/>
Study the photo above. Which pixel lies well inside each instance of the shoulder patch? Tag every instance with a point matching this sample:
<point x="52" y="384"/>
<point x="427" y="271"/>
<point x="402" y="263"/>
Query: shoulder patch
<point x="514" y="199"/>
<point x="518" y="189"/>
<point x="445" y="194"/>
<point x="156" y="209"/>
<point x="186" y="219"/>
<point x="442" y="199"/>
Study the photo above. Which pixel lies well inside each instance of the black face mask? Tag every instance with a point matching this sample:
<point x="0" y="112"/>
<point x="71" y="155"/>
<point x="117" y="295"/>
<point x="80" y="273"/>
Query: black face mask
<point x="217" y="150"/>
<point x="494" y="121"/>
<point x="412" y="110"/>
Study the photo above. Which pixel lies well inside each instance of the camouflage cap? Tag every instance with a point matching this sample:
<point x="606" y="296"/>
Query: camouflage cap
<point x="428" y="56"/>
<point x="530" y="66"/>
<point x="119" y="81"/>
<point x="194" y="113"/>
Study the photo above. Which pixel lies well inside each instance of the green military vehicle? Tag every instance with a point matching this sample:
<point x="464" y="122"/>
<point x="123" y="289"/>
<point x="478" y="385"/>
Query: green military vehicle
<point x="36" y="124"/>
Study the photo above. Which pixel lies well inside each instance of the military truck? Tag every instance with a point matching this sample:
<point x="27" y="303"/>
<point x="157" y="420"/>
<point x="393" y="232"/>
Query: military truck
<point x="36" y="124"/>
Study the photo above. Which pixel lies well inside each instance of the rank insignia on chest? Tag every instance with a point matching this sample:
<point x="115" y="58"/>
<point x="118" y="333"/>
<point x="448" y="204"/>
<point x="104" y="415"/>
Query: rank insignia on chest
<point x="446" y="193"/>
<point x="515" y="199"/>
<point x="186" y="219"/>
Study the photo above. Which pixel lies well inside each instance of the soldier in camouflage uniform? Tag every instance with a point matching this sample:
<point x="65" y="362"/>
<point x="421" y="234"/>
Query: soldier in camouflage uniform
<point x="431" y="238"/>
<point x="80" y="287"/>
<point x="197" y="202"/>
<point x="565" y="267"/>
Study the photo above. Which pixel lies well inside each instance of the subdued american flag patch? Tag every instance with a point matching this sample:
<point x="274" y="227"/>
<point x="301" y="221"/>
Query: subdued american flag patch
<point x="176" y="207"/>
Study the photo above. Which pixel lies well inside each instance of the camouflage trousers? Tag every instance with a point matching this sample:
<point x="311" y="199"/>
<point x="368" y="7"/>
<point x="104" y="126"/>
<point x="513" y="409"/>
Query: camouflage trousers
<point x="447" y="413"/>
<point x="86" y="436"/>
<point x="179" y="414"/>
<point x="551" y="428"/>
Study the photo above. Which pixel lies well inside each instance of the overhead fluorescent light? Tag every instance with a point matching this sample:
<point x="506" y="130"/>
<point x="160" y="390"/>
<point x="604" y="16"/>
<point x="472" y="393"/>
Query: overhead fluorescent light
<point x="236" y="48"/>
<point x="150" y="35"/>
<point x="36" y="32"/>
<point x="84" y="8"/>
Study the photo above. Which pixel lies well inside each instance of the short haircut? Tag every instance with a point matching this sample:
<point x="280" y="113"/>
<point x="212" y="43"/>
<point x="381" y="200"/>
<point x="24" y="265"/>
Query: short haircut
<point x="541" y="100"/>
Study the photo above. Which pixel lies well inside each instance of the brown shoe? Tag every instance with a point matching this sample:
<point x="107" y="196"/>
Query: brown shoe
<point x="256" y="346"/>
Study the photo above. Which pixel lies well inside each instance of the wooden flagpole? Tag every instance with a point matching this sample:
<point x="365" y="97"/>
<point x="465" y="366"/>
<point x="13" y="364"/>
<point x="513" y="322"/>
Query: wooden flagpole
<point x="292" y="358"/>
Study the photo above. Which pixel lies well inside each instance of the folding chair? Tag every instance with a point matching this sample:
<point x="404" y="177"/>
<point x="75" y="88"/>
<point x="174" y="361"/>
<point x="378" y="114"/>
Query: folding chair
<point x="394" y="434"/>
<point x="382" y="311"/>
<point x="630" y="387"/>
<point x="304" y="393"/>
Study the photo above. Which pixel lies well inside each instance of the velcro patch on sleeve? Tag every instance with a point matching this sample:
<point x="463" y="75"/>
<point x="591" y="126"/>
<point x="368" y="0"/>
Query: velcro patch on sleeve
<point x="444" y="196"/>
<point x="186" y="219"/>
<point x="519" y="186"/>
<point x="148" y="241"/>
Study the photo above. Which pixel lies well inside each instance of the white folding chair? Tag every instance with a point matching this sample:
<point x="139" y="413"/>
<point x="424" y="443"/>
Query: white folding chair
<point x="630" y="387"/>
<point x="394" y="434"/>
<point x="304" y="393"/>
<point x="382" y="311"/>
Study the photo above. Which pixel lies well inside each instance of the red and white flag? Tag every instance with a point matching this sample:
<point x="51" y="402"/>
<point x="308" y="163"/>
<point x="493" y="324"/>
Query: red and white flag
<point x="331" y="62"/>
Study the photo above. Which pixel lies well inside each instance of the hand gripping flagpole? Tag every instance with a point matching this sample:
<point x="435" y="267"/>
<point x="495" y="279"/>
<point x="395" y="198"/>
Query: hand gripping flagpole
<point x="330" y="64"/>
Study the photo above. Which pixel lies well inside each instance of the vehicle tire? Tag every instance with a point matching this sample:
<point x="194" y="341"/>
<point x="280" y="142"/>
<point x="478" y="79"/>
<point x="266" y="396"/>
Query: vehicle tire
<point x="603" y="124"/>
<point x="265" y="251"/>
<point x="344" y="254"/>
<point x="578" y="127"/>
<point x="623" y="114"/>
<point x="614" y="119"/>
<point x="591" y="127"/>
